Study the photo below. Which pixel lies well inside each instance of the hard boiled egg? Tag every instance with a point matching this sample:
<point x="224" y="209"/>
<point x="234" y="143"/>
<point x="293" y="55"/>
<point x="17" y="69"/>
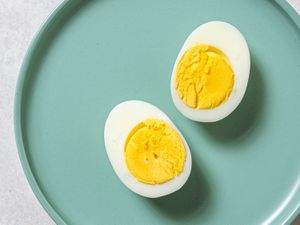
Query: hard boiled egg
<point x="211" y="72"/>
<point x="146" y="150"/>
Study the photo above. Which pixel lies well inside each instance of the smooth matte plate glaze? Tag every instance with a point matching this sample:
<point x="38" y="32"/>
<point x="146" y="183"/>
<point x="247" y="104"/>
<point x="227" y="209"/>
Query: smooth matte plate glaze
<point x="91" y="55"/>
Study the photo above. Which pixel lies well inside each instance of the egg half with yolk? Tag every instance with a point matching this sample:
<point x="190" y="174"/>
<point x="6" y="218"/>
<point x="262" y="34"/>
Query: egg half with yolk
<point x="146" y="150"/>
<point x="211" y="72"/>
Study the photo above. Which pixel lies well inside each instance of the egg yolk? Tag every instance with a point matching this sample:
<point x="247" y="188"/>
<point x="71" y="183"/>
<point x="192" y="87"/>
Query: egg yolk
<point x="204" y="77"/>
<point x="154" y="152"/>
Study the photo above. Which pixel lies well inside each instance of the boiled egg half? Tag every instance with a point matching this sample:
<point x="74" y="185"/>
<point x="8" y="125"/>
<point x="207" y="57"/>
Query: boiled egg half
<point x="211" y="72"/>
<point x="146" y="150"/>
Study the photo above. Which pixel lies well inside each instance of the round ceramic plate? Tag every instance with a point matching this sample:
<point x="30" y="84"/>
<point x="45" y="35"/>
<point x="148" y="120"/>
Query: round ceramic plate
<point x="91" y="55"/>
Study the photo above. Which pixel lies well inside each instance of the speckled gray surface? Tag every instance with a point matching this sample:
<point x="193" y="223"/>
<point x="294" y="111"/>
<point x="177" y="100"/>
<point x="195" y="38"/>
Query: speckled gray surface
<point x="19" y="20"/>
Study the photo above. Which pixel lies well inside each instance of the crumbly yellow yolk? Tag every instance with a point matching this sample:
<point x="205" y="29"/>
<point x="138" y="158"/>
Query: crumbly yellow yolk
<point x="154" y="152"/>
<point x="204" y="77"/>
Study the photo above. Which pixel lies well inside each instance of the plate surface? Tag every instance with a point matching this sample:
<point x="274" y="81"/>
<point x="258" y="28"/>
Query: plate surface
<point x="91" y="55"/>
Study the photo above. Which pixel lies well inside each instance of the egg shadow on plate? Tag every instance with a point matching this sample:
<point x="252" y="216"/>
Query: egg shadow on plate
<point x="193" y="196"/>
<point x="246" y="116"/>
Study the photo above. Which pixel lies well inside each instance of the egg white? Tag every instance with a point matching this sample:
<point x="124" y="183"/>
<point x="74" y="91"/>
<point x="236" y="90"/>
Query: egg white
<point x="121" y="120"/>
<point x="228" y="39"/>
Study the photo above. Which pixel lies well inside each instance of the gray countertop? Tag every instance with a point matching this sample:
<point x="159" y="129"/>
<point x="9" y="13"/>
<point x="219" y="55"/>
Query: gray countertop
<point x="19" y="20"/>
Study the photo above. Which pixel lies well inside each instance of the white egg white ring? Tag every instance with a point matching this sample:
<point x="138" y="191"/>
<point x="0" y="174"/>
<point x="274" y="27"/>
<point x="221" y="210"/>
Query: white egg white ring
<point x="229" y="40"/>
<point x="121" y="120"/>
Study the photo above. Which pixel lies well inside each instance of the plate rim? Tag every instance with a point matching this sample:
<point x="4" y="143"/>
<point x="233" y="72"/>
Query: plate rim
<point x="18" y="100"/>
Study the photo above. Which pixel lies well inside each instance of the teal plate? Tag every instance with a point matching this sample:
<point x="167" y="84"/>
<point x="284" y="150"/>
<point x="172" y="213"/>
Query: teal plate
<point x="91" y="55"/>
